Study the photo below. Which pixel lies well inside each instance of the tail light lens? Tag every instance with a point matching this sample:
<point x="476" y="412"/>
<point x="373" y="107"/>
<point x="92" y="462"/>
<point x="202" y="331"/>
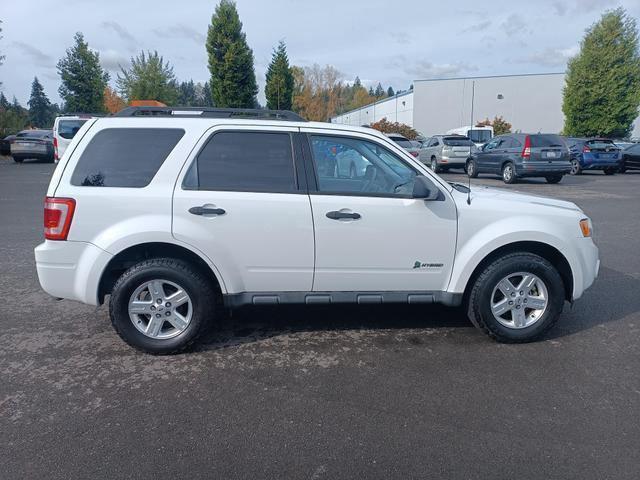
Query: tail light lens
<point x="526" y="151"/>
<point x="415" y="154"/>
<point x="586" y="149"/>
<point x="55" y="148"/>
<point x="58" y="213"/>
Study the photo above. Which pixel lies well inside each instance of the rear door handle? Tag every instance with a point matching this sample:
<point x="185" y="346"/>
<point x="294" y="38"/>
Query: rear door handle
<point x="207" y="211"/>
<point x="336" y="215"/>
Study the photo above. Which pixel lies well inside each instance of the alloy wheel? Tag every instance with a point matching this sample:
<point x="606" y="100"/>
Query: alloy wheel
<point x="519" y="300"/>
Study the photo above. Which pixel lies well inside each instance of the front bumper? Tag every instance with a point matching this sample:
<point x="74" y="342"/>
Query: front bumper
<point x="588" y="262"/>
<point x="71" y="270"/>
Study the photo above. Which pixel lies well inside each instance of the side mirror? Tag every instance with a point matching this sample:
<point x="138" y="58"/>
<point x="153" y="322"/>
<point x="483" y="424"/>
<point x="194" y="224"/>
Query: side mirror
<point x="425" y="189"/>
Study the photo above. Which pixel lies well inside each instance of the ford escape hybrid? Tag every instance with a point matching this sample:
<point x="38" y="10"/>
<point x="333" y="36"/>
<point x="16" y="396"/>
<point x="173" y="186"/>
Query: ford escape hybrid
<point x="176" y="214"/>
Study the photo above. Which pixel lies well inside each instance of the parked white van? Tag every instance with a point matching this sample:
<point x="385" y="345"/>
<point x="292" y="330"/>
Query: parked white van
<point x="65" y="128"/>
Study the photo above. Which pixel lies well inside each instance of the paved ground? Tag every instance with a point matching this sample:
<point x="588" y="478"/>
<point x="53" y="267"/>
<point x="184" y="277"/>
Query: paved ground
<point x="324" y="393"/>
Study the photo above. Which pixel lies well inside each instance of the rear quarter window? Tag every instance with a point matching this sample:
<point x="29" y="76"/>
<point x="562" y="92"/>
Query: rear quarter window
<point x="124" y="157"/>
<point x="68" y="128"/>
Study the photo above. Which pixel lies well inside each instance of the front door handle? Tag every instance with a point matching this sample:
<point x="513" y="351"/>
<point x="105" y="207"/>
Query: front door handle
<point x="336" y="215"/>
<point x="207" y="211"/>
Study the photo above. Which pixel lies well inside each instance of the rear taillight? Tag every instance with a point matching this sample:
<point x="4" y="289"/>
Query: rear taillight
<point x="415" y="154"/>
<point x="586" y="149"/>
<point x="55" y="148"/>
<point x="58" y="213"/>
<point x="526" y="151"/>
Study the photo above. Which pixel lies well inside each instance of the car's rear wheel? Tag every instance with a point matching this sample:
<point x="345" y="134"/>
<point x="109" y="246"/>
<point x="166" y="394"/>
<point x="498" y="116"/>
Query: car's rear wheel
<point x="609" y="171"/>
<point x="434" y="165"/>
<point x="553" y="178"/>
<point x="18" y="159"/>
<point x="162" y="305"/>
<point x="623" y="168"/>
<point x="576" y="169"/>
<point x="508" y="173"/>
<point x="517" y="298"/>
<point x="471" y="168"/>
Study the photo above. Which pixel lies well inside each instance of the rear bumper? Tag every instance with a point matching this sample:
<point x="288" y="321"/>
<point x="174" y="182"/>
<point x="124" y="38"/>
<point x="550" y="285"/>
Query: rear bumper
<point x="543" y="168"/>
<point x="600" y="164"/>
<point x="454" y="161"/>
<point x="71" y="270"/>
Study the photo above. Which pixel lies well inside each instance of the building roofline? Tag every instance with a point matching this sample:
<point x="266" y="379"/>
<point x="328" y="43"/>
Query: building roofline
<point x="488" y="76"/>
<point x="382" y="100"/>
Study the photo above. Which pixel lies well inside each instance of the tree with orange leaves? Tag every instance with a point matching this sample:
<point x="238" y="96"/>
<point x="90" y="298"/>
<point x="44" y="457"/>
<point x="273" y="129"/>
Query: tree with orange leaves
<point x="112" y="101"/>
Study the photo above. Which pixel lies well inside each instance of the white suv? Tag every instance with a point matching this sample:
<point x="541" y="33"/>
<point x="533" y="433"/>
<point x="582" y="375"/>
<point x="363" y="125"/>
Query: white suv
<point x="176" y="214"/>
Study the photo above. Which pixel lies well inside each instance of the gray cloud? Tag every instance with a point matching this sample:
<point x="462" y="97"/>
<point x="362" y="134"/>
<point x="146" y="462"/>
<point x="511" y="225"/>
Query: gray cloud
<point x="514" y="25"/>
<point x="478" y="27"/>
<point x="425" y="69"/>
<point x="111" y="60"/>
<point x="122" y="32"/>
<point x="560" y="7"/>
<point x="549" y="57"/>
<point x="181" y="31"/>
<point x="402" y="38"/>
<point x="38" y="57"/>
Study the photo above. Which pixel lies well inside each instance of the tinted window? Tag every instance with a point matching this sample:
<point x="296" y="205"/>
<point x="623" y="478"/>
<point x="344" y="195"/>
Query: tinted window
<point x="68" y="128"/>
<point x="479" y="136"/>
<point x="403" y="142"/>
<point x="457" y="141"/>
<point x="546" y="141"/>
<point x="124" y="157"/>
<point x="354" y="166"/>
<point x="600" y="144"/>
<point x="245" y="161"/>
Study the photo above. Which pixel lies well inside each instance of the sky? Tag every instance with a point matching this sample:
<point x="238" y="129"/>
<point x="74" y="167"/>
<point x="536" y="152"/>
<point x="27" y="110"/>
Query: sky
<point x="377" y="40"/>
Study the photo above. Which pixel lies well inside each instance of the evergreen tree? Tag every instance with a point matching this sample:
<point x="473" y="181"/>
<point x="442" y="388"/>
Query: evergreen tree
<point x="83" y="79"/>
<point x="207" y="99"/>
<point x="379" y="93"/>
<point x="148" y="78"/>
<point x="602" y="89"/>
<point x="4" y="103"/>
<point x="1" y="56"/>
<point x="371" y="92"/>
<point x="279" y="87"/>
<point x="233" y="79"/>
<point x="357" y="83"/>
<point x="40" y="108"/>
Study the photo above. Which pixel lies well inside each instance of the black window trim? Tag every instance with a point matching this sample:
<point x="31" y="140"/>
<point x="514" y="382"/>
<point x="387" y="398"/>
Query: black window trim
<point x="312" y="175"/>
<point x="296" y="154"/>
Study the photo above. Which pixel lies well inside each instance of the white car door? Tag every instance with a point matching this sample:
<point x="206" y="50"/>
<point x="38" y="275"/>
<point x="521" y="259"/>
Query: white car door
<point x="371" y="235"/>
<point x="241" y="202"/>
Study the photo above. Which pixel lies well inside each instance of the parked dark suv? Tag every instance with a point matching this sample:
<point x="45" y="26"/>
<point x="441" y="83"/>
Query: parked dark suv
<point x="518" y="155"/>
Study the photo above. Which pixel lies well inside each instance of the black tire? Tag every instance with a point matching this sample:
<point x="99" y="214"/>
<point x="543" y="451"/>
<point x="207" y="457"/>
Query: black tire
<point x="434" y="165"/>
<point x="479" y="300"/>
<point x="471" y="168"/>
<point x="609" y="171"/>
<point x="18" y="159"/>
<point x="576" y="169"/>
<point x="623" y="168"/>
<point x="509" y="173"/>
<point x="199" y="288"/>
<point x="553" y="178"/>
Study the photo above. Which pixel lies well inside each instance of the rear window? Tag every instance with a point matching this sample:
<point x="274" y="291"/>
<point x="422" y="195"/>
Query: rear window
<point x="600" y="143"/>
<point x="479" y="136"/>
<point x="403" y="142"/>
<point x="538" y="141"/>
<point x="124" y="157"/>
<point x="33" y="134"/>
<point x="457" y="141"/>
<point x="244" y="161"/>
<point x="68" y="128"/>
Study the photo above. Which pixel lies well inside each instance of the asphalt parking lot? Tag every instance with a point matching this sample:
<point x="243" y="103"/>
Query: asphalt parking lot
<point x="393" y="392"/>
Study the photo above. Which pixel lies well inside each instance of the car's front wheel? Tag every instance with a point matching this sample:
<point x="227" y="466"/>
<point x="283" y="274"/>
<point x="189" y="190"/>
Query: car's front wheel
<point x="553" y="178"/>
<point x="471" y="168"/>
<point x="162" y="305"/>
<point x="576" y="169"/>
<point x="517" y="298"/>
<point x="609" y="171"/>
<point x="18" y="159"/>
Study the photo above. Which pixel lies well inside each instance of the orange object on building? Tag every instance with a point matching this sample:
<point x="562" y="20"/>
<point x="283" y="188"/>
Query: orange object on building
<point x="146" y="103"/>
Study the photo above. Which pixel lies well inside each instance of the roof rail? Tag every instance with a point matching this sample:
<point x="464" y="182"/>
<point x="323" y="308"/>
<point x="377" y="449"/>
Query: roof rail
<point x="209" y="112"/>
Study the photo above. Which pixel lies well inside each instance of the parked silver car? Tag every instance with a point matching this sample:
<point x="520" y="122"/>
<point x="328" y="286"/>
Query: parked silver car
<point x="442" y="152"/>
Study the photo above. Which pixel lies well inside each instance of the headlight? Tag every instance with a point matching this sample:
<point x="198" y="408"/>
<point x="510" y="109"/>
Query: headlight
<point x="585" y="226"/>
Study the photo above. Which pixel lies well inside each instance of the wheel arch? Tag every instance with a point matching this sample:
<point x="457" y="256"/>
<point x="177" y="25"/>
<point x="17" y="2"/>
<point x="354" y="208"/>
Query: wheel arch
<point x="544" y="250"/>
<point x="143" y="251"/>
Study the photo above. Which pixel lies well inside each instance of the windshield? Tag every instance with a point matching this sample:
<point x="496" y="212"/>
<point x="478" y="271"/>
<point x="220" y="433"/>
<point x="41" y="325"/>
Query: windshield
<point x="457" y="141"/>
<point x="68" y="128"/>
<point x="479" y="136"/>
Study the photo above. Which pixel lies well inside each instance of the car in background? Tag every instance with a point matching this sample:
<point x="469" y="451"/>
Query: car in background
<point x="594" y="154"/>
<point x="65" y="128"/>
<point x="5" y="145"/>
<point x="479" y="135"/>
<point x="36" y="144"/>
<point x="630" y="158"/>
<point x="442" y="152"/>
<point x="417" y="143"/>
<point x="405" y="143"/>
<point x="519" y="155"/>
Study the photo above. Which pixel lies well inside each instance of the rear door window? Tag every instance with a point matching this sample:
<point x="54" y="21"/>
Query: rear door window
<point x="68" y="128"/>
<point x="244" y="162"/>
<point x="124" y="157"/>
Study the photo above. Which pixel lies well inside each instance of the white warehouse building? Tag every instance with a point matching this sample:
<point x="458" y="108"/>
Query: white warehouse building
<point x="530" y="102"/>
